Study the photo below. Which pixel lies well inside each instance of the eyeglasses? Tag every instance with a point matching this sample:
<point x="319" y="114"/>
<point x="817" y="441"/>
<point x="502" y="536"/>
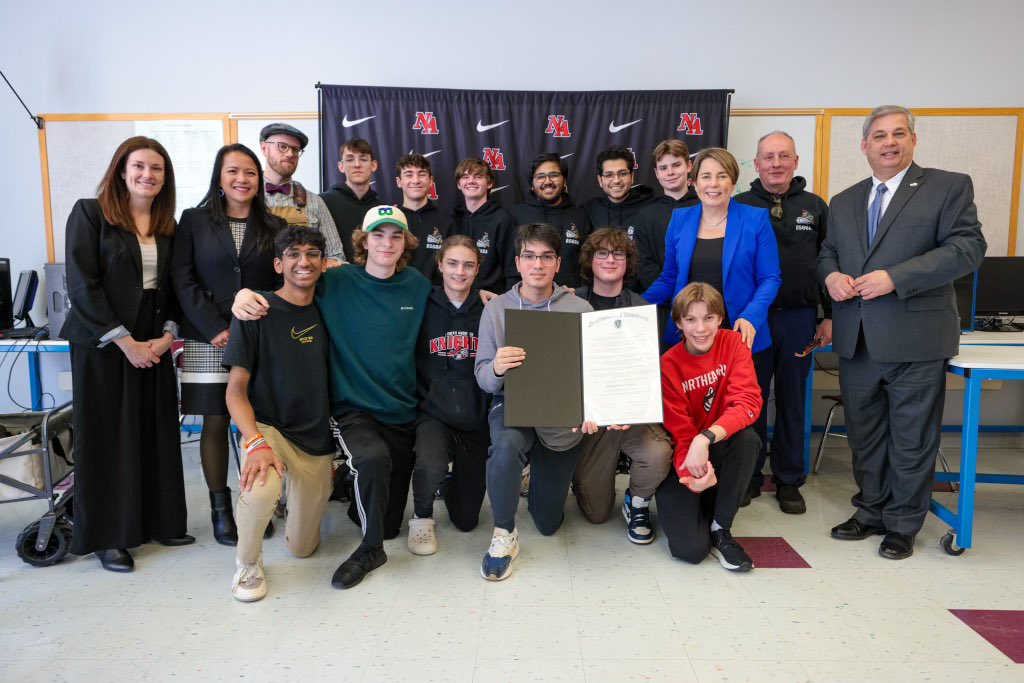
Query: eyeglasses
<point x="283" y="147"/>
<point x="612" y="175"/>
<point x="554" y="176"/>
<point x="777" y="208"/>
<point x="295" y="254"/>
<point x="546" y="259"/>
<point x="602" y="254"/>
<point x="771" y="157"/>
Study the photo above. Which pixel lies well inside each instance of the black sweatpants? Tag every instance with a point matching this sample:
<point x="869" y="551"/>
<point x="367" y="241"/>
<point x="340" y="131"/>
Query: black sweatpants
<point x="437" y="444"/>
<point x="686" y="516"/>
<point x="381" y="455"/>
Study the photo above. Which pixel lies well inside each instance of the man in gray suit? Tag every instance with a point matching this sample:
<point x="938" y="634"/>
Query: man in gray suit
<point x="896" y="243"/>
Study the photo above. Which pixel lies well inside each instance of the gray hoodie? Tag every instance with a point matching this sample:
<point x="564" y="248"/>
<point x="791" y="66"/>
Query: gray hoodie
<point x="492" y="337"/>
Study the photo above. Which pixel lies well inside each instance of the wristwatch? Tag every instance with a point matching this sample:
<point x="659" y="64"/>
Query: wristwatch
<point x="709" y="434"/>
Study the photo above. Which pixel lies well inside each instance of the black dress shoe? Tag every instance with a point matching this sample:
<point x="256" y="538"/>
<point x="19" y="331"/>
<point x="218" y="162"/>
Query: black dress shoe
<point x="184" y="539"/>
<point x="753" y="491"/>
<point x="116" y="560"/>
<point x="790" y="500"/>
<point x="896" y="546"/>
<point x="855" y="530"/>
<point x="353" y="570"/>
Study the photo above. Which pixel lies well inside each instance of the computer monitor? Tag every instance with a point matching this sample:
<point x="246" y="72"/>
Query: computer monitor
<point x="1000" y="287"/>
<point x="25" y="296"/>
<point x="965" y="287"/>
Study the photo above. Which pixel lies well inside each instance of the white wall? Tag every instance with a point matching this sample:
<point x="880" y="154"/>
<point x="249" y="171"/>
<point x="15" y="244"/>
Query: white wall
<point x="191" y="56"/>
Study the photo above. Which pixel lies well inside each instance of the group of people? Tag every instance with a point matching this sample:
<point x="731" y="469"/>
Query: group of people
<point x="308" y="315"/>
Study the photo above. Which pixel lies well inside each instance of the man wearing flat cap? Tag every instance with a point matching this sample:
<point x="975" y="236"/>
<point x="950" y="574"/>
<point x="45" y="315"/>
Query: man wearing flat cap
<point x="282" y="145"/>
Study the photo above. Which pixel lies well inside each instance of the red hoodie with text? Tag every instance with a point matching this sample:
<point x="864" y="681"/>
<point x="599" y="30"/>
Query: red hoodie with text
<point x="719" y="387"/>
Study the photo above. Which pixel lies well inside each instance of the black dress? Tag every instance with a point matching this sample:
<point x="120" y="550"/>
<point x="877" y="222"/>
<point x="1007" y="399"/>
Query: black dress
<point x="129" y="486"/>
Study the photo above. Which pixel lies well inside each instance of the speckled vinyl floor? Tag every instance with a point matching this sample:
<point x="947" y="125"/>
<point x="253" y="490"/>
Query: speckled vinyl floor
<point x="582" y="605"/>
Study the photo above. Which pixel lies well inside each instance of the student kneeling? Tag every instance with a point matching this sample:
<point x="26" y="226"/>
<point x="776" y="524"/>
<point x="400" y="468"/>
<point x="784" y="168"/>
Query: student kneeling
<point x="711" y="399"/>
<point x="277" y="395"/>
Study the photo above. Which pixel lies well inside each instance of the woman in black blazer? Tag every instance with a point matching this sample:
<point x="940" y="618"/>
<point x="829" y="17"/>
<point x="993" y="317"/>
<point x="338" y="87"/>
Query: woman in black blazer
<point x="129" y="487"/>
<point x="223" y="245"/>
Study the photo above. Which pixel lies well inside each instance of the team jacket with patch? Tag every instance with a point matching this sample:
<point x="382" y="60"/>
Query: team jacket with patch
<point x="799" y="232"/>
<point x="348" y="212"/>
<point x="493" y="230"/>
<point x="606" y="214"/>
<point x="650" y="229"/>
<point x="719" y="387"/>
<point x="431" y="226"/>
<point x="573" y="226"/>
<point x="445" y="356"/>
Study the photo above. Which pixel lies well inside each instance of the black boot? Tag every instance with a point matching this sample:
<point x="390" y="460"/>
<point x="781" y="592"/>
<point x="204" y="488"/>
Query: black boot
<point x="224" y="529"/>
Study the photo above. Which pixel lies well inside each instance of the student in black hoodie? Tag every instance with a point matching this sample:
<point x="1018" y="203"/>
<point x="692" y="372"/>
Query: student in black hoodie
<point x="452" y="423"/>
<point x="349" y="203"/>
<point x="621" y="203"/>
<point x="549" y="202"/>
<point x="672" y="169"/>
<point x="481" y="219"/>
<point x="430" y="225"/>
<point x="799" y="220"/>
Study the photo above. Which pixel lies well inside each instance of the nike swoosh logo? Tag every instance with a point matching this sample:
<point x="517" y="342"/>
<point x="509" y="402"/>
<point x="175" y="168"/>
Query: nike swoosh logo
<point x="430" y="154"/>
<point x="612" y="128"/>
<point x="348" y="124"/>
<point x="498" y="188"/>
<point x="296" y="335"/>
<point x="566" y="156"/>
<point x="481" y="128"/>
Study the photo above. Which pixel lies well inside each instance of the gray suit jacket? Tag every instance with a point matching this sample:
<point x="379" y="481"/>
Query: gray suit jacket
<point x="928" y="237"/>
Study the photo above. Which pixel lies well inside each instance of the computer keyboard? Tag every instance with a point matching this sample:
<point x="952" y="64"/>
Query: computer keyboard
<point x="37" y="333"/>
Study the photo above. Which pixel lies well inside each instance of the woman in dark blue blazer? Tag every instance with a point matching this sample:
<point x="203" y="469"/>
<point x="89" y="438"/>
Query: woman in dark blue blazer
<point x="223" y="245"/>
<point x="728" y="245"/>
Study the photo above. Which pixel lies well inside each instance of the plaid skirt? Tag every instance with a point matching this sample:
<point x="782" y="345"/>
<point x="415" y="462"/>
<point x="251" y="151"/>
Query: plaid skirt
<point x="204" y="380"/>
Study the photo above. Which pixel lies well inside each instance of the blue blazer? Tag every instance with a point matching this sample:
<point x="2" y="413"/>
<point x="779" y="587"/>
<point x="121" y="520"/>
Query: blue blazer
<point x="750" y="266"/>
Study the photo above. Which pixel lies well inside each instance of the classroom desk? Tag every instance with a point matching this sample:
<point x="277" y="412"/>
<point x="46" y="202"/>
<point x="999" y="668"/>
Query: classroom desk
<point x="966" y="339"/>
<point x="10" y="349"/>
<point x="975" y="363"/>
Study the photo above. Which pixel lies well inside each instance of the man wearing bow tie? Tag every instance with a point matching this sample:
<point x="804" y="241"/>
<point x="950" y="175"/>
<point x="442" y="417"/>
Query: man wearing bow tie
<point x="895" y="244"/>
<point x="282" y="145"/>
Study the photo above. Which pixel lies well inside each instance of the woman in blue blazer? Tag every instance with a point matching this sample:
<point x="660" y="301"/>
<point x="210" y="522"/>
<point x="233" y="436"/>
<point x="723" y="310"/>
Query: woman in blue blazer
<point x="728" y="245"/>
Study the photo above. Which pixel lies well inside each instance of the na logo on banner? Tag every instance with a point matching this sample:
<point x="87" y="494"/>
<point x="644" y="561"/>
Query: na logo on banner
<point x="494" y="158"/>
<point x="426" y="123"/>
<point x="635" y="165"/>
<point x="689" y="124"/>
<point x="558" y="126"/>
<point x="432" y="192"/>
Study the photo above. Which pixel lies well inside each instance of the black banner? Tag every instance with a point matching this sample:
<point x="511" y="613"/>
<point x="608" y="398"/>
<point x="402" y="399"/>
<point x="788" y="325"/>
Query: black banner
<point x="507" y="129"/>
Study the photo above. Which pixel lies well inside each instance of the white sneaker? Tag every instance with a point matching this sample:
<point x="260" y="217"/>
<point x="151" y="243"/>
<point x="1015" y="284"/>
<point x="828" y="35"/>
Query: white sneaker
<point x="250" y="582"/>
<point x="422" y="539"/>
<point x="497" y="563"/>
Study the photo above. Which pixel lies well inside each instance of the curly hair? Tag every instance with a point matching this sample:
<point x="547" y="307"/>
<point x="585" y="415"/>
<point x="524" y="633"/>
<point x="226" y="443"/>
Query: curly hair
<point x="359" y="249"/>
<point x="611" y="239"/>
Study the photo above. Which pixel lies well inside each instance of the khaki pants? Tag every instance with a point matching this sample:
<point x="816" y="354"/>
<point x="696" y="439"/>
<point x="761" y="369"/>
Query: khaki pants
<point x="650" y="452"/>
<point x="309" y="487"/>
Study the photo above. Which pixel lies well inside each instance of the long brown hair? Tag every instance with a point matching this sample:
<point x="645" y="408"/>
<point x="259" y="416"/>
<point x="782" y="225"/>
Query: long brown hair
<point x="112" y="192"/>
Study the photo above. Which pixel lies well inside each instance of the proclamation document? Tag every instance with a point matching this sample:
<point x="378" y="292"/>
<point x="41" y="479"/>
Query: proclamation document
<point x="621" y="366"/>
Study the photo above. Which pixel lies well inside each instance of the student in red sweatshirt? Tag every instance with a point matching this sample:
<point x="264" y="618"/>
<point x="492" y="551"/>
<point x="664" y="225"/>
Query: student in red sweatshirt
<point x="711" y="398"/>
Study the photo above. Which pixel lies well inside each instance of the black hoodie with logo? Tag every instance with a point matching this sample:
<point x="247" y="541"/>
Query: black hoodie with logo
<point x="493" y="231"/>
<point x="431" y="226"/>
<point x="799" y="232"/>
<point x="445" y="356"/>
<point x="348" y="211"/>
<point x="604" y="213"/>
<point x="573" y="226"/>
<point x="651" y="226"/>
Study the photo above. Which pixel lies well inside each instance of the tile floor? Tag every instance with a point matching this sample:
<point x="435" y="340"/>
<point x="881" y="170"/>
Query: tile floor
<point x="583" y="605"/>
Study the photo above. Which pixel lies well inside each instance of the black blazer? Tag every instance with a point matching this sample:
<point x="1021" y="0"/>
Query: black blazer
<point x="104" y="276"/>
<point x="207" y="272"/>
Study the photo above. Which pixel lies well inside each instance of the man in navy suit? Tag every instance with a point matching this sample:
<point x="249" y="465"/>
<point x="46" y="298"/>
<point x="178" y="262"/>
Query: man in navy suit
<point x="895" y="244"/>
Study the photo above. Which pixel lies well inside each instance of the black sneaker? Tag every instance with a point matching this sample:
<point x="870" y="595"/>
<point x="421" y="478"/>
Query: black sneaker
<point x="729" y="553"/>
<point x="753" y="491"/>
<point x="353" y="570"/>
<point x="790" y="500"/>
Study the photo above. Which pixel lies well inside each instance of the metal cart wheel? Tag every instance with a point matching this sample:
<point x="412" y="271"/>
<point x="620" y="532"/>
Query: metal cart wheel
<point x="56" y="547"/>
<point x="949" y="546"/>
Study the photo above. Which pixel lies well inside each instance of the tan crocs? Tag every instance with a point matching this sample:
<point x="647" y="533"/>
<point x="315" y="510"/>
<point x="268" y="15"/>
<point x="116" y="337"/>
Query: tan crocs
<point x="422" y="540"/>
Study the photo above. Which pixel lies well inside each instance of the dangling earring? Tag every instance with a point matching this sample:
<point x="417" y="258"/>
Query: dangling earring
<point x="220" y="191"/>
